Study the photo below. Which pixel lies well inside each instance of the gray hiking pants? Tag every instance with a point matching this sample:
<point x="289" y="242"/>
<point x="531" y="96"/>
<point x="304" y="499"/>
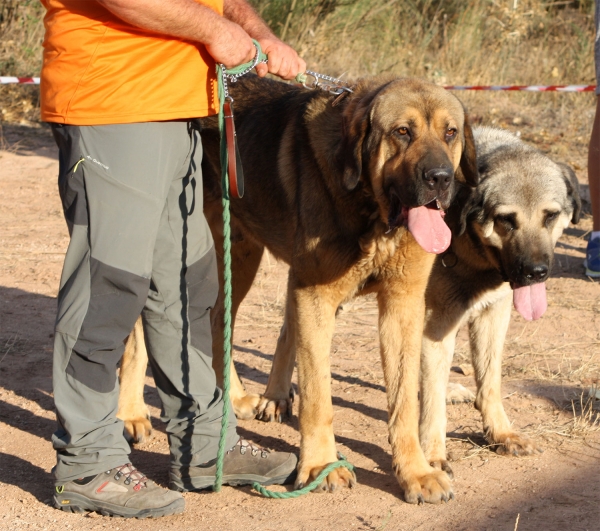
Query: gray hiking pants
<point x="132" y="199"/>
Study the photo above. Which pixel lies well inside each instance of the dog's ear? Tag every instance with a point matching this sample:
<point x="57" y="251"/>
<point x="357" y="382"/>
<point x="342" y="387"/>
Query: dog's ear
<point x="468" y="159"/>
<point x="467" y="202"/>
<point x="573" y="190"/>
<point x="355" y="126"/>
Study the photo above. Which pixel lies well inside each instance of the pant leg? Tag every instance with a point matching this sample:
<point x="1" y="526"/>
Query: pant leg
<point x="114" y="181"/>
<point x="177" y="326"/>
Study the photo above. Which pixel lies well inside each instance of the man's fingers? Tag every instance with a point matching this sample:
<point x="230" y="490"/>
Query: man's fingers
<point x="283" y="61"/>
<point x="284" y="68"/>
<point x="262" y="69"/>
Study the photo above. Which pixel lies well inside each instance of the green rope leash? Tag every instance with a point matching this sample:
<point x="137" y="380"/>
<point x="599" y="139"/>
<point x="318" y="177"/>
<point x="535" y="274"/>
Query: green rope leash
<point x="305" y="490"/>
<point x="222" y="75"/>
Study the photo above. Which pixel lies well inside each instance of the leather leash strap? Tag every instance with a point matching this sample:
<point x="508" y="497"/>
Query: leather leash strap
<point x="234" y="163"/>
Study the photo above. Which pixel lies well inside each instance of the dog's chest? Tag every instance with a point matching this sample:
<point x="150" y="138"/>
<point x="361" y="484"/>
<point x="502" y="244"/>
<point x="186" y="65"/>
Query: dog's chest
<point x="487" y="298"/>
<point x="380" y="250"/>
<point x="384" y="256"/>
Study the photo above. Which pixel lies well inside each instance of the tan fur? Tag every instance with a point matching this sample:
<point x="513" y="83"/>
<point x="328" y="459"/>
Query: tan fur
<point x="487" y="255"/>
<point x="132" y="408"/>
<point x="322" y="183"/>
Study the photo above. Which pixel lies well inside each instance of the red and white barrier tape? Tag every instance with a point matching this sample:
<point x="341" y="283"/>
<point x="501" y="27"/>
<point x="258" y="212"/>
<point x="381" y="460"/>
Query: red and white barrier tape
<point x="20" y="80"/>
<point x="527" y="88"/>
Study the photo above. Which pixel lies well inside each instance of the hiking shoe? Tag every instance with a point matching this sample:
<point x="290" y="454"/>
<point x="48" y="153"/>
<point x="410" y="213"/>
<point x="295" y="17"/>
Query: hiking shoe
<point x="243" y="464"/>
<point x="121" y="491"/>
<point x="592" y="258"/>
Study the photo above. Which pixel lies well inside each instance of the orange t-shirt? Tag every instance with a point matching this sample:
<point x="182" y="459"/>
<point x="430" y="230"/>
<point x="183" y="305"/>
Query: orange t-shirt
<point x="99" y="69"/>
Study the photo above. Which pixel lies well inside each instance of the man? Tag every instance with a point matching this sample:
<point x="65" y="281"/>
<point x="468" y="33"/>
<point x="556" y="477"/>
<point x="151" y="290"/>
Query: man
<point x="122" y="84"/>
<point x="592" y="255"/>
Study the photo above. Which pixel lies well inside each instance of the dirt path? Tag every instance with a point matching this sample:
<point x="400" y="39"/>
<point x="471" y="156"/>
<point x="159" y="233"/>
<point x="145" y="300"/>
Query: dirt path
<point x="550" y="364"/>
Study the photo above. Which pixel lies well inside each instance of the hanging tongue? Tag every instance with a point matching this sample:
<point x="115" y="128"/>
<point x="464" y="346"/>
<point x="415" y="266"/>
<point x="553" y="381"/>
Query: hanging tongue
<point x="530" y="301"/>
<point x="429" y="229"/>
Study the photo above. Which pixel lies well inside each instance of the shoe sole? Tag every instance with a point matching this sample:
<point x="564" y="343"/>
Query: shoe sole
<point x="76" y="503"/>
<point x="592" y="274"/>
<point x="199" y="483"/>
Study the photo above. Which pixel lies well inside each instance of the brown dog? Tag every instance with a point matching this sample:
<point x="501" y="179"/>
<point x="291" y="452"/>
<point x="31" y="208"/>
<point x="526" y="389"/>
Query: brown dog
<point x="351" y="196"/>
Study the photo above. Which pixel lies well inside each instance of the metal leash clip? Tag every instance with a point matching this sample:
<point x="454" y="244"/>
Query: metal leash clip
<point x="333" y="85"/>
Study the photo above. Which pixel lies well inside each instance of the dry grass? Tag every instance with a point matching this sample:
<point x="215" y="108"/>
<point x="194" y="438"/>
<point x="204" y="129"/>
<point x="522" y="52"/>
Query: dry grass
<point x="22" y="31"/>
<point x="448" y="42"/>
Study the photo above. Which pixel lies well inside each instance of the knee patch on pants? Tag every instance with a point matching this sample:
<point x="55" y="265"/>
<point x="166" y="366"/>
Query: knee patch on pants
<point x="116" y="300"/>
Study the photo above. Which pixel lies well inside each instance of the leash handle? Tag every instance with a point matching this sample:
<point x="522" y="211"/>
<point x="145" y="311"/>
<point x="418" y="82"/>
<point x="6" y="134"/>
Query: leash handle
<point x="232" y="176"/>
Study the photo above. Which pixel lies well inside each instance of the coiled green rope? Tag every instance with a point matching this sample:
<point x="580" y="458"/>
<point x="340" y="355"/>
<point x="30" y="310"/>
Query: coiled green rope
<point x="222" y="75"/>
<point x="305" y="490"/>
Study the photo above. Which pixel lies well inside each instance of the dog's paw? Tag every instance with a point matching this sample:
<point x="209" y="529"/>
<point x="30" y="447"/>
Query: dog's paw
<point x="457" y="394"/>
<point x="516" y="445"/>
<point x="246" y="407"/>
<point x="137" y="430"/>
<point x="275" y="409"/>
<point x="429" y="487"/>
<point x="337" y="479"/>
<point x="442" y="464"/>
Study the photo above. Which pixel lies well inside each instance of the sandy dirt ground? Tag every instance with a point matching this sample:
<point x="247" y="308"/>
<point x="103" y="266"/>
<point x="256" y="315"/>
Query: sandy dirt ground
<point x="550" y="365"/>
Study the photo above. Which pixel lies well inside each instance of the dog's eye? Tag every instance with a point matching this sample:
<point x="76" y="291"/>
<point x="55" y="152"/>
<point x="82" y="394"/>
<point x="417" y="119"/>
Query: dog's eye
<point x="450" y="133"/>
<point x="507" y="221"/>
<point x="550" y="217"/>
<point x="402" y="131"/>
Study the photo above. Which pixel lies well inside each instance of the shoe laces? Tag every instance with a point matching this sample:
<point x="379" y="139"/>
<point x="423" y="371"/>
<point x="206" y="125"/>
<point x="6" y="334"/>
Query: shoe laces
<point x="132" y="475"/>
<point x="245" y="445"/>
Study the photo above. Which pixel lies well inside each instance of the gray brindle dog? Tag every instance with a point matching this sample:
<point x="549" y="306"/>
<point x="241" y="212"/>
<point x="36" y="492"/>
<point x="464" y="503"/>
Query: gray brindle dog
<point x="504" y="234"/>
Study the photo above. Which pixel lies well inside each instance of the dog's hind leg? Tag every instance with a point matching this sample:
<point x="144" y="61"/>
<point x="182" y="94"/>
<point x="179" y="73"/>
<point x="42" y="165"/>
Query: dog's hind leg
<point x="246" y="255"/>
<point x="487" y="332"/>
<point x="132" y="408"/>
<point x="278" y="398"/>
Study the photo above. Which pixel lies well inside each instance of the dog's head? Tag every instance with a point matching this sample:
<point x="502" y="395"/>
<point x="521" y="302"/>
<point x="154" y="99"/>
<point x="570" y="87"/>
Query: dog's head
<point x="517" y="213"/>
<point x="409" y="141"/>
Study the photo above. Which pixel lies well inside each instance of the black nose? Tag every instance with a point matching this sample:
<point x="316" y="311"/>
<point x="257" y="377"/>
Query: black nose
<point x="535" y="272"/>
<point x="438" y="179"/>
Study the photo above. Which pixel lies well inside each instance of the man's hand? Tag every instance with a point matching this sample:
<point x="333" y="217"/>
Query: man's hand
<point x="231" y="46"/>
<point x="283" y="59"/>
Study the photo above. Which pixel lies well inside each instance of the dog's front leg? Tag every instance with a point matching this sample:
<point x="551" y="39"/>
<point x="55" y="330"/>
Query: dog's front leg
<point x="401" y="314"/>
<point x="436" y="355"/>
<point x="314" y="316"/>
<point x="487" y="331"/>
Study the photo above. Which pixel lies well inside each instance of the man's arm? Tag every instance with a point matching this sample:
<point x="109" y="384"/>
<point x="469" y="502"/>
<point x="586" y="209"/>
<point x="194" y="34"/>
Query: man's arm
<point x="228" y="39"/>
<point x="283" y="60"/>
<point x="225" y="40"/>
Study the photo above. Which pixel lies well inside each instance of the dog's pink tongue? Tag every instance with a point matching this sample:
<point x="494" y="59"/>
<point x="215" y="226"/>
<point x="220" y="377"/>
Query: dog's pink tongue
<point x="429" y="229"/>
<point x="530" y="301"/>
